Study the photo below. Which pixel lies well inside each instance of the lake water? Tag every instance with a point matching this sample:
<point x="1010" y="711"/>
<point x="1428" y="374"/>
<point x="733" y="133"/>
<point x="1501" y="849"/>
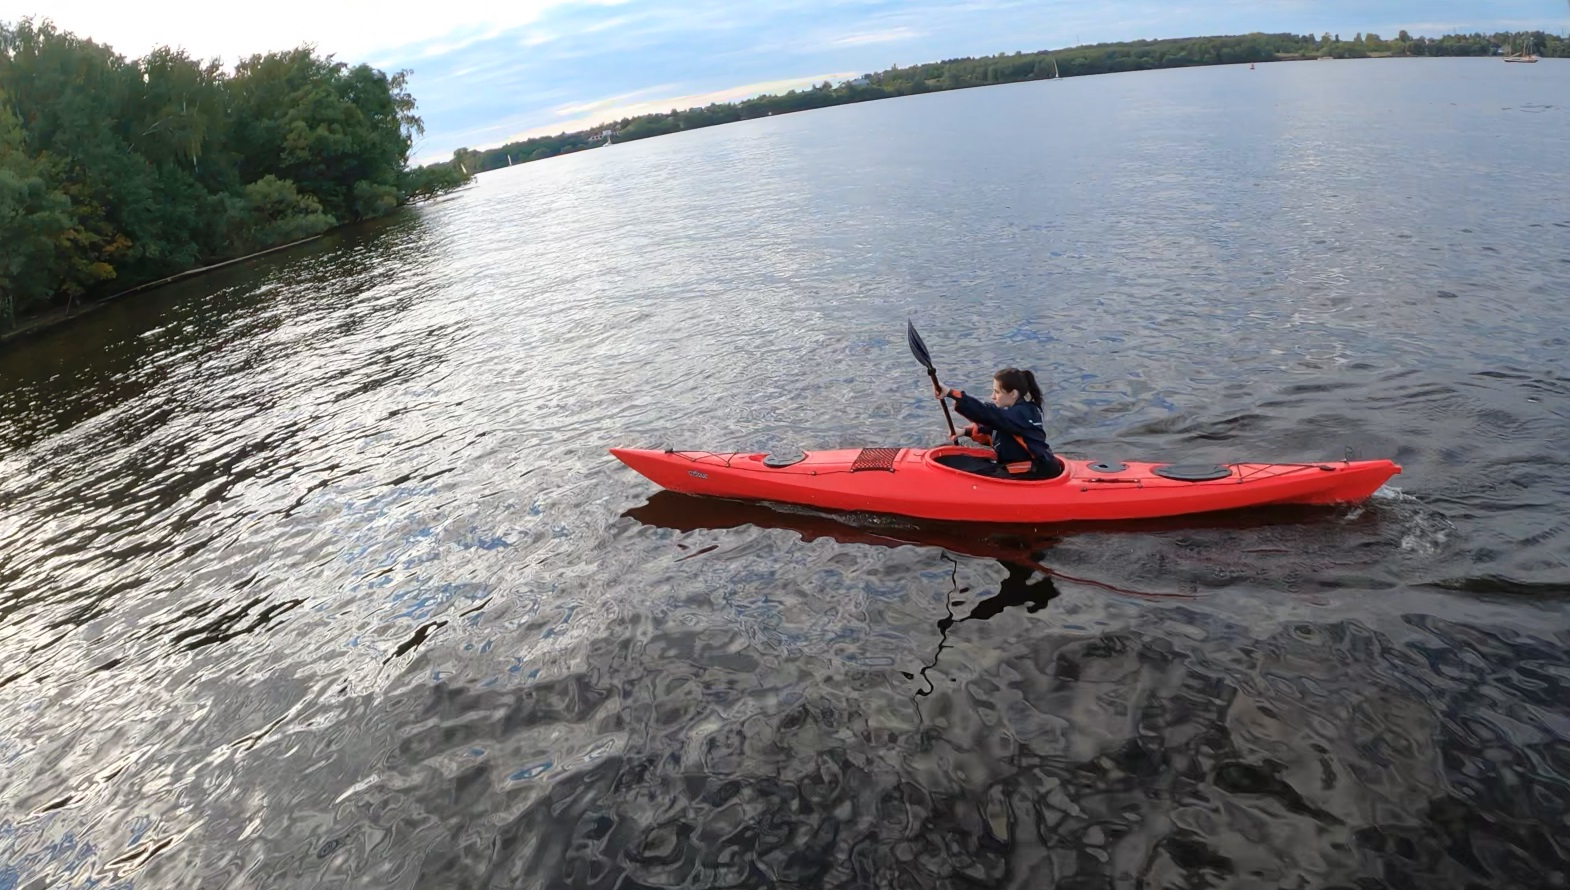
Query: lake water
<point x="316" y="572"/>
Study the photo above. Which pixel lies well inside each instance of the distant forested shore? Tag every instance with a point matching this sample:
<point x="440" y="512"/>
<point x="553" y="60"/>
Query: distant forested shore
<point x="118" y="172"/>
<point x="957" y="74"/>
<point x="115" y="173"/>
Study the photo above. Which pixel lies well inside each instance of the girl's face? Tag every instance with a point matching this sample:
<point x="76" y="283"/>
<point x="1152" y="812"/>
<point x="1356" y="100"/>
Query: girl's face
<point x="1003" y="398"/>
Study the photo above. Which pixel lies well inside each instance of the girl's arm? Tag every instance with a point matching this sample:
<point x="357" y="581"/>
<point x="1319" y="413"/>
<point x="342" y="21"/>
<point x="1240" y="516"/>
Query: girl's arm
<point x="974" y="409"/>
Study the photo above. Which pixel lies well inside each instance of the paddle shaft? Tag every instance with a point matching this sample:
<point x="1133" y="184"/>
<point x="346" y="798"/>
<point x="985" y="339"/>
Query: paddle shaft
<point x="938" y="388"/>
<point x="918" y="348"/>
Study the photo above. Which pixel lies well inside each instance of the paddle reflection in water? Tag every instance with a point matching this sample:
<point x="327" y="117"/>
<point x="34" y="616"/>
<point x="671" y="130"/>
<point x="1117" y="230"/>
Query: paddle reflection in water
<point x="1022" y="585"/>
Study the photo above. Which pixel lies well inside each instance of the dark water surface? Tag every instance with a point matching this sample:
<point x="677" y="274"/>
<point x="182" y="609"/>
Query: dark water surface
<point x="316" y="572"/>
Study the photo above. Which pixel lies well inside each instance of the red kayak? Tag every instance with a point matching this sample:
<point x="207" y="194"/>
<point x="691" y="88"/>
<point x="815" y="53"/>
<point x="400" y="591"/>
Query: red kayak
<point x="916" y="482"/>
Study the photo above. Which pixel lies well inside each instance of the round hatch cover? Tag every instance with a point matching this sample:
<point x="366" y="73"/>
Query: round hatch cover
<point x="1106" y="466"/>
<point x="779" y="459"/>
<point x="1192" y="472"/>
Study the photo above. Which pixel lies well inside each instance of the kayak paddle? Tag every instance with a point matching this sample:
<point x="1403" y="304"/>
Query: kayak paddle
<point x="919" y="349"/>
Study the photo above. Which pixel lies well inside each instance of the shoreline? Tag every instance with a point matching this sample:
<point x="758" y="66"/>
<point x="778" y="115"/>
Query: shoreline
<point x="41" y="322"/>
<point x="967" y="72"/>
<point x="482" y="156"/>
<point x="44" y="321"/>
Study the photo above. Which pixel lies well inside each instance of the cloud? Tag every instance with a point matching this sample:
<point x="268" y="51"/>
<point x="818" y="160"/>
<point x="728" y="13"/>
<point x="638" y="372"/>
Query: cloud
<point x="609" y="24"/>
<point x="612" y="109"/>
<point x="891" y="35"/>
<point x="602" y="105"/>
<point x="351" y="29"/>
<point x="456" y="43"/>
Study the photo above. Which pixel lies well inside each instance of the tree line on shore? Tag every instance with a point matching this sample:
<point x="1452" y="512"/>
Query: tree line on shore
<point x="116" y="172"/>
<point x="952" y="74"/>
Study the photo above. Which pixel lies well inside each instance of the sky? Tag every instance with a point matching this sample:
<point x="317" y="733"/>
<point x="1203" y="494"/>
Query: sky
<point x="486" y="74"/>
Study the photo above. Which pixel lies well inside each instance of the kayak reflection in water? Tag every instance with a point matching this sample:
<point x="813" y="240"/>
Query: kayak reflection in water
<point x="1011" y="425"/>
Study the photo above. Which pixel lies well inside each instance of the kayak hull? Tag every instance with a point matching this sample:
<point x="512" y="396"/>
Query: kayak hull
<point x="911" y="482"/>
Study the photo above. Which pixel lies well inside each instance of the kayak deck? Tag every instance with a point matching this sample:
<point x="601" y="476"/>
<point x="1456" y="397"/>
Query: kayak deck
<point x="912" y="482"/>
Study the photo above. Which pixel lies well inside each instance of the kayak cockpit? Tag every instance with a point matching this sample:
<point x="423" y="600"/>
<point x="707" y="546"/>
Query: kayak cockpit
<point x="981" y="464"/>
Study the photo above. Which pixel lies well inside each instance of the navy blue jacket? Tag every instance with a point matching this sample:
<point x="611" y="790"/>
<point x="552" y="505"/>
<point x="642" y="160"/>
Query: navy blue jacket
<point x="1002" y="428"/>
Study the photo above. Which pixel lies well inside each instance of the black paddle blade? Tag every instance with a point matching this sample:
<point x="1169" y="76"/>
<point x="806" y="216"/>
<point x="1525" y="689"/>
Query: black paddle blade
<point x="918" y="348"/>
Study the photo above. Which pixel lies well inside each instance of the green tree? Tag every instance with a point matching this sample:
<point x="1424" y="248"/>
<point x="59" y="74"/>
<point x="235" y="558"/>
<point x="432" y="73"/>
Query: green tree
<point x="65" y="90"/>
<point x="35" y="221"/>
<point x="272" y="211"/>
<point x="433" y="179"/>
<point x="179" y="110"/>
<point x="323" y="125"/>
<point x="127" y="171"/>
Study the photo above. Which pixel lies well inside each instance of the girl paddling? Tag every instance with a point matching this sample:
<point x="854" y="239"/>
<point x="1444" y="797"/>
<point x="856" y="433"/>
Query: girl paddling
<point x="1011" y="425"/>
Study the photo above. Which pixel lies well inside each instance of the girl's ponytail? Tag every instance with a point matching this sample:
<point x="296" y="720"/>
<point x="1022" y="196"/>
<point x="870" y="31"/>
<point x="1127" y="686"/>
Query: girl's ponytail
<point x="1022" y="382"/>
<point x="1032" y="391"/>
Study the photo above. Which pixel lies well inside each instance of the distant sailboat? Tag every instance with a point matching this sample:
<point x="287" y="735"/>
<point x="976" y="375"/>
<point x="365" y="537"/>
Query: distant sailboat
<point x="509" y="160"/>
<point x="1527" y="56"/>
<point x="1054" y="67"/>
